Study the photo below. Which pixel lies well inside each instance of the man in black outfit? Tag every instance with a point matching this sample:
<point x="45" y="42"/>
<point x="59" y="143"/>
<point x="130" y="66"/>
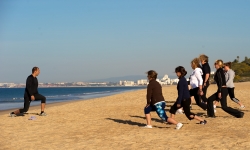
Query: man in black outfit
<point x="206" y="74"/>
<point x="31" y="94"/>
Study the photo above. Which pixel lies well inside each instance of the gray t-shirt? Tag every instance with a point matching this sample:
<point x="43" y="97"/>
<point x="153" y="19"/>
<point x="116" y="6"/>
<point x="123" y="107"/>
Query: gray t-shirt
<point x="230" y="78"/>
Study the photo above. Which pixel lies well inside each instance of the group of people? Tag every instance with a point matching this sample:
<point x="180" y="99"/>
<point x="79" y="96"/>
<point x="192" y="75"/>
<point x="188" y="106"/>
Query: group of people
<point x="197" y="88"/>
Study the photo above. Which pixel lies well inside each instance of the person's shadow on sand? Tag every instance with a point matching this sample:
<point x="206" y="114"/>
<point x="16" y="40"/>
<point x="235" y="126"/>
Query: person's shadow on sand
<point x="126" y="122"/>
<point x="129" y="122"/>
<point x="153" y="119"/>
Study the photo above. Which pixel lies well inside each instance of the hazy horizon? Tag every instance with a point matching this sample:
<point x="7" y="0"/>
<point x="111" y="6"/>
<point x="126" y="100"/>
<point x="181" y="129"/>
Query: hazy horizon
<point x="89" y="40"/>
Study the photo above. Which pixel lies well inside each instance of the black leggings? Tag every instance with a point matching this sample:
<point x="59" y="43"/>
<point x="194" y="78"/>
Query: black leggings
<point x="27" y="101"/>
<point x="197" y="97"/>
<point x="231" y="95"/>
<point x="223" y="101"/>
<point x="186" y="107"/>
<point x="204" y="90"/>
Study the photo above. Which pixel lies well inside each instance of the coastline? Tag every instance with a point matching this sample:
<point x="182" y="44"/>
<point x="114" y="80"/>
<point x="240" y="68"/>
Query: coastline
<point x="54" y="103"/>
<point x="116" y="121"/>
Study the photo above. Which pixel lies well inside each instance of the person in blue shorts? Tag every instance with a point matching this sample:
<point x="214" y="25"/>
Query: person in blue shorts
<point x="156" y="102"/>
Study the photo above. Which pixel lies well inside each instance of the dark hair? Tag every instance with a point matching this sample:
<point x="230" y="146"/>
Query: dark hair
<point x="228" y="64"/>
<point x="181" y="70"/>
<point x="34" y="69"/>
<point x="152" y="74"/>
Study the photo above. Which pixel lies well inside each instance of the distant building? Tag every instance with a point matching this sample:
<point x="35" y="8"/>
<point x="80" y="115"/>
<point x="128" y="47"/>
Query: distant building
<point x="127" y="83"/>
<point x="142" y="82"/>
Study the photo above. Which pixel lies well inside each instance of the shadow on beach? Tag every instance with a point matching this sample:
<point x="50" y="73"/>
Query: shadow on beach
<point x="129" y="122"/>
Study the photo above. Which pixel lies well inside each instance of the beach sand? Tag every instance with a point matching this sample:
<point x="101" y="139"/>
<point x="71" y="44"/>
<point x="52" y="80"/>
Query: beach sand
<point x="114" y="122"/>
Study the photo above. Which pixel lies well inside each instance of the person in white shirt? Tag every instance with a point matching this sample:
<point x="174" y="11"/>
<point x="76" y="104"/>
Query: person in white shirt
<point x="196" y="83"/>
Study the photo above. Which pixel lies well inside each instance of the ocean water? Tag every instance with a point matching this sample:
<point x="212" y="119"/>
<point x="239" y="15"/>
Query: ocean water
<point x="13" y="97"/>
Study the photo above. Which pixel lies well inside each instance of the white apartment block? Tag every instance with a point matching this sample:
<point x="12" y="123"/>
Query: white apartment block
<point x="127" y="83"/>
<point x="142" y="82"/>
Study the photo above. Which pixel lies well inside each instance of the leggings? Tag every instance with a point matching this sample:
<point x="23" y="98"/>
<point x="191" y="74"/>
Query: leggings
<point x="223" y="101"/>
<point x="231" y="95"/>
<point x="186" y="107"/>
<point x="194" y="92"/>
<point x="27" y="101"/>
<point x="204" y="90"/>
<point x="159" y="108"/>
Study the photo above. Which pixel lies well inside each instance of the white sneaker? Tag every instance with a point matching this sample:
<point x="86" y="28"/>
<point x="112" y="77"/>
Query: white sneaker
<point x="214" y="108"/>
<point x="179" y="111"/>
<point x="178" y="126"/>
<point x="242" y="107"/>
<point x="148" y="126"/>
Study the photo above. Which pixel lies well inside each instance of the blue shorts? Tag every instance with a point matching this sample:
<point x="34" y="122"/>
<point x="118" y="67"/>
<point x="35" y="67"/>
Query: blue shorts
<point x="159" y="108"/>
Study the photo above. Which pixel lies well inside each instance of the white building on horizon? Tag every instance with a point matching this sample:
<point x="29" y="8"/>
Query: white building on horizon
<point x="127" y="83"/>
<point x="142" y="82"/>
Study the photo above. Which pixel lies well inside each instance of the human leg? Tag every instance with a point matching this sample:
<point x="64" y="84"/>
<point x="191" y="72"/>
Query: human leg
<point x="147" y="111"/>
<point x="233" y="98"/>
<point x="229" y="110"/>
<point x="210" y="107"/>
<point x="204" y="96"/>
<point x="173" y="110"/>
<point x="43" y="101"/>
<point x="197" y="98"/>
<point x="24" y="109"/>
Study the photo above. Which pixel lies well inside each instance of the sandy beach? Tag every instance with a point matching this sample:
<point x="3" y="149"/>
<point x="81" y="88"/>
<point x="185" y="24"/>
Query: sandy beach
<point x="114" y="122"/>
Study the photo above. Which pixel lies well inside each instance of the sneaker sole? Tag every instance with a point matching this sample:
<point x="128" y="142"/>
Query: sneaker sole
<point x="179" y="127"/>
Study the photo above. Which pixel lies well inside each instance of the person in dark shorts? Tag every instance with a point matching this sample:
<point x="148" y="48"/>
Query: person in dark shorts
<point x="156" y="102"/>
<point x="221" y="93"/>
<point x="31" y="94"/>
<point x="183" y="99"/>
<point x="205" y="76"/>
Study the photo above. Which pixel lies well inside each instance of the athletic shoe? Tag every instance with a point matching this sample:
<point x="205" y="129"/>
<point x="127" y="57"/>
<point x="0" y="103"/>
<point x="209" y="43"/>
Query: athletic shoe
<point x="148" y="126"/>
<point x="242" y="107"/>
<point x="241" y="115"/>
<point x="178" y="126"/>
<point x="12" y="115"/>
<point x="43" y="114"/>
<point x="179" y="111"/>
<point x="214" y="108"/>
<point x="203" y="122"/>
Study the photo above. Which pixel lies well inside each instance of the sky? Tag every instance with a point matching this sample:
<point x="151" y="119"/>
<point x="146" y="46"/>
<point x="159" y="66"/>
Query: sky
<point x="83" y="40"/>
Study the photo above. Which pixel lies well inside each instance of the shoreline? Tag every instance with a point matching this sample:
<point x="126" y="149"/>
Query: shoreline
<point x="54" y="103"/>
<point x="116" y="122"/>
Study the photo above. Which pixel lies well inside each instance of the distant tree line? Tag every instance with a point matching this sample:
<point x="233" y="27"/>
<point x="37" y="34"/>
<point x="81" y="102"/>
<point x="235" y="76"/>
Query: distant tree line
<point x="242" y="69"/>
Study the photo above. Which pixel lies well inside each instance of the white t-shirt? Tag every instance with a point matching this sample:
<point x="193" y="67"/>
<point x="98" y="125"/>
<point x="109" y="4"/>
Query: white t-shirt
<point x="196" y="78"/>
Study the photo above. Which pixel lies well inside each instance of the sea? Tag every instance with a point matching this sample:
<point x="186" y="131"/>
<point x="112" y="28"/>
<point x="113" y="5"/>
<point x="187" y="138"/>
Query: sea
<point x="11" y="98"/>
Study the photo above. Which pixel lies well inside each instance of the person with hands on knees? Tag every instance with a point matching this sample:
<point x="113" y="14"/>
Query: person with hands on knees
<point x="156" y="102"/>
<point x="183" y="99"/>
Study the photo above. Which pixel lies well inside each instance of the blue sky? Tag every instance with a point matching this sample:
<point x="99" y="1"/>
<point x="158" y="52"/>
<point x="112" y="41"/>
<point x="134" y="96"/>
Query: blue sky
<point x="82" y="40"/>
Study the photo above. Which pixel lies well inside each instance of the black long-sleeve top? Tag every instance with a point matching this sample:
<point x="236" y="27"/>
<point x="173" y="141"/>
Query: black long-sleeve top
<point x="220" y="79"/>
<point x="183" y="91"/>
<point x="31" y="86"/>
<point x="154" y="92"/>
<point x="206" y="70"/>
